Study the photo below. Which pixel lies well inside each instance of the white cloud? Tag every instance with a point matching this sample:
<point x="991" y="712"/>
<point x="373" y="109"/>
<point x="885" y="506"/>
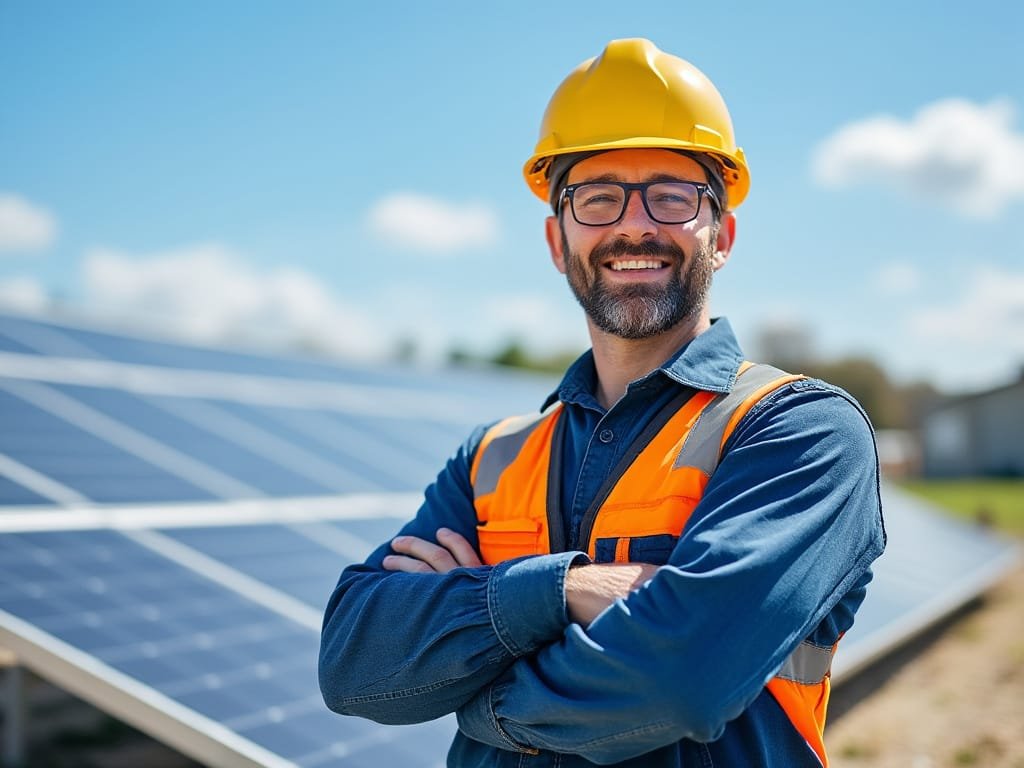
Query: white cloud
<point x="24" y="226"/>
<point x="970" y="342"/>
<point x="542" y="323"/>
<point x="427" y="224"/>
<point x="962" y="155"/>
<point x="23" y="294"/>
<point x="208" y="293"/>
<point x="897" y="279"/>
<point x="988" y="317"/>
<point x="438" y="321"/>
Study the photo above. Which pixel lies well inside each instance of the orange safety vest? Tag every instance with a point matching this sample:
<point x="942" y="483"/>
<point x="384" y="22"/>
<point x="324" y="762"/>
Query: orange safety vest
<point x="652" y="492"/>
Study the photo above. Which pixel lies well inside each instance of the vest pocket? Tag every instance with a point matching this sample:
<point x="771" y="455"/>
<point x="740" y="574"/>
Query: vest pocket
<point x="655" y="549"/>
<point x="505" y="539"/>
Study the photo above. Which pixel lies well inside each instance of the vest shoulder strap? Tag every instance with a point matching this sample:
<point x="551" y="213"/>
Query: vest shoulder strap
<point x="703" y="446"/>
<point x="500" y="446"/>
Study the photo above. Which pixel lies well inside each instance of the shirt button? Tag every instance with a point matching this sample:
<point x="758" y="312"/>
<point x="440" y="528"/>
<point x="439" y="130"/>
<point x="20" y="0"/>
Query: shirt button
<point x="606" y="436"/>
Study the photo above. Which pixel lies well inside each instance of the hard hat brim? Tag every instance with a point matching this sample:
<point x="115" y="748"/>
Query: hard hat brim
<point x="736" y="175"/>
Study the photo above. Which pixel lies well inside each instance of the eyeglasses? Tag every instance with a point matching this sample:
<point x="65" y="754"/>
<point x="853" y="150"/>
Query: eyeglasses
<point x="600" y="203"/>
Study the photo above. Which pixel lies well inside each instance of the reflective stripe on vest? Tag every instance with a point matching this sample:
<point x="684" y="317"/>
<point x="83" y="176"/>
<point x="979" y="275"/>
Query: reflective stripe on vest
<point x="703" y="446"/>
<point x="809" y="664"/>
<point x="499" y="448"/>
<point x="516" y="475"/>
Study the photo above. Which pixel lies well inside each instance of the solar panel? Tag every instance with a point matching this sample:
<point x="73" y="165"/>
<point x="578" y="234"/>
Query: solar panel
<point x="302" y="560"/>
<point x="932" y="566"/>
<point x="193" y="633"/>
<point x="15" y="493"/>
<point x="7" y="344"/>
<point x="89" y="455"/>
<point x="173" y="519"/>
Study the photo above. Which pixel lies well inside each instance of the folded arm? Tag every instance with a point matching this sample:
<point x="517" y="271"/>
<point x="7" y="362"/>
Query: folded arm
<point x="408" y="645"/>
<point x="786" y="530"/>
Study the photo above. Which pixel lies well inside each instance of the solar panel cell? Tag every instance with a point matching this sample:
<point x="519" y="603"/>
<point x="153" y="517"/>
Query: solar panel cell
<point x="161" y="419"/>
<point x="277" y="555"/>
<point x="90" y="466"/>
<point x="15" y="494"/>
<point x="376" y="531"/>
<point x="358" y="446"/>
<point x="340" y="471"/>
<point x="9" y="344"/>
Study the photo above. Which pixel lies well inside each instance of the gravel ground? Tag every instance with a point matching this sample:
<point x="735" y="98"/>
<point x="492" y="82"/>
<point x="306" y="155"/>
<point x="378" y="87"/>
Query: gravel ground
<point x="957" y="699"/>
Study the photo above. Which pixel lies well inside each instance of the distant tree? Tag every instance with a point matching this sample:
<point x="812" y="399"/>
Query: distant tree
<point x="787" y="346"/>
<point x="515" y="355"/>
<point x="915" y="400"/>
<point x="512" y="355"/>
<point x="559" y="362"/>
<point x="889" y="405"/>
<point x="459" y="356"/>
<point x="866" y="381"/>
<point x="406" y="350"/>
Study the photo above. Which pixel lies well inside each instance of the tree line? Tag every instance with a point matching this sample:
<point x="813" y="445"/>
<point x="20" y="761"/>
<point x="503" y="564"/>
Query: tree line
<point x="889" y="404"/>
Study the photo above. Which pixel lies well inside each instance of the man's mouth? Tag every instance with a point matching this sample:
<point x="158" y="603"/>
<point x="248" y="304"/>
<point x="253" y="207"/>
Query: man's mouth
<point x="620" y="265"/>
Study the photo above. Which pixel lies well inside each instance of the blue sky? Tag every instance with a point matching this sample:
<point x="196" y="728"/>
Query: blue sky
<point x="350" y="174"/>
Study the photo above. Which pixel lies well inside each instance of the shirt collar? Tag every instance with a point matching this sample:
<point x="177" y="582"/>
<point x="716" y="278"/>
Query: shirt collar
<point x="709" y="362"/>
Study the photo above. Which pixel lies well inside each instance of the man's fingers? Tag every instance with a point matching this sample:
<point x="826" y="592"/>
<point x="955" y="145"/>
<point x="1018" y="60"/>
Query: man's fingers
<point x="406" y="564"/>
<point x="437" y="558"/>
<point x="460" y="548"/>
<point x="416" y="555"/>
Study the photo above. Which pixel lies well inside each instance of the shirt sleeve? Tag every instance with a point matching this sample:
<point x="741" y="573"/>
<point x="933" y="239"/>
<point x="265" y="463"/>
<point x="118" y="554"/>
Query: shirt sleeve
<point x="781" y="542"/>
<point x="402" y="648"/>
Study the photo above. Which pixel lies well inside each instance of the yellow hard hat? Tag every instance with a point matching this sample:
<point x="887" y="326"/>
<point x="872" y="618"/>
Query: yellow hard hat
<point x="635" y="95"/>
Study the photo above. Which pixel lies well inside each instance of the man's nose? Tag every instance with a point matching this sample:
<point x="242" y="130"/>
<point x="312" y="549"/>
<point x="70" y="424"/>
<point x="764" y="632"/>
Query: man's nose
<point x="635" y="221"/>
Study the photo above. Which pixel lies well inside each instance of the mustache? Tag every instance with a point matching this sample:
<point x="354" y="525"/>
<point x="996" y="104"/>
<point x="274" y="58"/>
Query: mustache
<point x="668" y="251"/>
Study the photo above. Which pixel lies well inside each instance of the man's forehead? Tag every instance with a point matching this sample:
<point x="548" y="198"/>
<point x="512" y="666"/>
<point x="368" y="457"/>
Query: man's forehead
<point x="637" y="165"/>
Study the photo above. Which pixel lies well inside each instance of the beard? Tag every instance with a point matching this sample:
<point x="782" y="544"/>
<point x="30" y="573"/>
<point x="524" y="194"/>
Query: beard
<point x="641" y="310"/>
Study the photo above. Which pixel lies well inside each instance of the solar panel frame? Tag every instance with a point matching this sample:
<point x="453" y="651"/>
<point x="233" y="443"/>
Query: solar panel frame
<point x="198" y="663"/>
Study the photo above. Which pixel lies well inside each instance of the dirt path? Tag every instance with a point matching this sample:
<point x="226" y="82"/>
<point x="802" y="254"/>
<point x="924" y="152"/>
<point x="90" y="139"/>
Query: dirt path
<point x="960" y="702"/>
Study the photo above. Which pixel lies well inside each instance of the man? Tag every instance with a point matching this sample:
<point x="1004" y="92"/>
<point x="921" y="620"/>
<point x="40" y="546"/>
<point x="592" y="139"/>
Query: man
<point x="655" y="570"/>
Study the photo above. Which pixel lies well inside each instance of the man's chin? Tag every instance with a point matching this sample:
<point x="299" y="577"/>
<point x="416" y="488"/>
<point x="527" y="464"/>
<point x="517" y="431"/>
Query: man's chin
<point x="635" y="325"/>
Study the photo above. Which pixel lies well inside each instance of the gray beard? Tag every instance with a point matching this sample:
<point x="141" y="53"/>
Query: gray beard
<point x="640" y="311"/>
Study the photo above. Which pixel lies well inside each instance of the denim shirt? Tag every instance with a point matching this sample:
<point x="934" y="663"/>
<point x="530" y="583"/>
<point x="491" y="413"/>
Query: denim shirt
<point x="777" y="551"/>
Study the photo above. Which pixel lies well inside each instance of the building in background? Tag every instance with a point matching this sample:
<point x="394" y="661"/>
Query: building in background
<point x="899" y="453"/>
<point x="977" y="435"/>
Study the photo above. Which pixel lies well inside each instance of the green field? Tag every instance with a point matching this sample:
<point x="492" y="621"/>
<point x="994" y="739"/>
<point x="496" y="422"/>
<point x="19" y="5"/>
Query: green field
<point x="1000" y="502"/>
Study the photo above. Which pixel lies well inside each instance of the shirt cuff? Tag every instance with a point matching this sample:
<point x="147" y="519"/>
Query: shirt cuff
<point x="526" y="600"/>
<point x="477" y="720"/>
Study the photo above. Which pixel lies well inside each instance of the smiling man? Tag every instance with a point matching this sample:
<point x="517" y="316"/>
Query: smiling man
<point x="656" y="568"/>
<point x="650" y="289"/>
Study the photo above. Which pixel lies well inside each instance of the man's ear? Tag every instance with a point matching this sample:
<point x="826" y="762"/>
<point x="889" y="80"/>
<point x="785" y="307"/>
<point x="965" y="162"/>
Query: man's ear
<point x="553" y="233"/>
<point x="725" y="240"/>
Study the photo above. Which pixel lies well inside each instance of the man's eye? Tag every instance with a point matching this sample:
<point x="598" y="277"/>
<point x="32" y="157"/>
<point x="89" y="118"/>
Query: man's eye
<point x="599" y="199"/>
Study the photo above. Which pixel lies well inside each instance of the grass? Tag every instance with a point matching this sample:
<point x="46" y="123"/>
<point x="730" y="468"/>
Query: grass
<point x="997" y="502"/>
<point x="857" y="751"/>
<point x="981" y="752"/>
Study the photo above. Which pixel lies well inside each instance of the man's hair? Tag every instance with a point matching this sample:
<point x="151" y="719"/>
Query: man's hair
<point x="558" y="173"/>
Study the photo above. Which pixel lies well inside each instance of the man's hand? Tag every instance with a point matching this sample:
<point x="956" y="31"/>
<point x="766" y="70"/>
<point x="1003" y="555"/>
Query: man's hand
<point x="422" y="556"/>
<point x="589" y="589"/>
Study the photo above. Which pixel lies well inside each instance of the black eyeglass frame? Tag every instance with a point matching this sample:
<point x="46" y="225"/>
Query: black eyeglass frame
<point x="702" y="188"/>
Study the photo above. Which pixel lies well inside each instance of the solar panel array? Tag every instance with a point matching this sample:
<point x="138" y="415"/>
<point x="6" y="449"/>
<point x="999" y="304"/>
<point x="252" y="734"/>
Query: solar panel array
<point x="173" y="518"/>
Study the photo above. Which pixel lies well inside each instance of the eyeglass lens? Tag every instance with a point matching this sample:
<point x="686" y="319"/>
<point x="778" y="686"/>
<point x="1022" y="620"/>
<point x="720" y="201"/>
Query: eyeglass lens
<point x="667" y="202"/>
